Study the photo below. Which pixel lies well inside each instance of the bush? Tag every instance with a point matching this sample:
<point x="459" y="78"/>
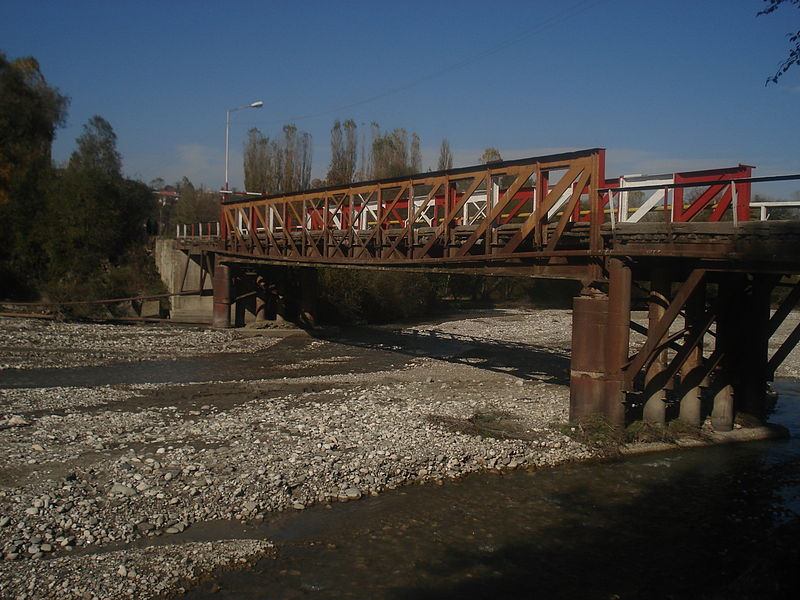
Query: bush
<point x="356" y="296"/>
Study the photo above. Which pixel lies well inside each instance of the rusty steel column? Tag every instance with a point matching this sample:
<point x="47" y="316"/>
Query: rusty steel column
<point x="222" y="295"/>
<point x="588" y="363"/>
<point x="308" y="297"/>
<point x="722" y="412"/>
<point x="239" y="303"/>
<point x="751" y="395"/>
<point x="691" y="377"/>
<point x="261" y="299"/>
<point x="655" y="393"/>
<point x="600" y="344"/>
<point x="617" y="339"/>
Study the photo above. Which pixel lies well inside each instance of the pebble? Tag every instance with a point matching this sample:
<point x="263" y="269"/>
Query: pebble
<point x="318" y="439"/>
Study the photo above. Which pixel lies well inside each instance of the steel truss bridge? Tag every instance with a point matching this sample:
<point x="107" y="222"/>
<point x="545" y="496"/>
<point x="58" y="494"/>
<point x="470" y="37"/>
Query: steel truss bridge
<point x="684" y="243"/>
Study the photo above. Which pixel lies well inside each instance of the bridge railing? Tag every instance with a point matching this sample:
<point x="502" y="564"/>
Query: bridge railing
<point x="507" y="208"/>
<point x="205" y="230"/>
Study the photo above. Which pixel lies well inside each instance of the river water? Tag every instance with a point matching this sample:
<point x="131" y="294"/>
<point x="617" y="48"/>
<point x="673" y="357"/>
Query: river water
<point x="715" y="522"/>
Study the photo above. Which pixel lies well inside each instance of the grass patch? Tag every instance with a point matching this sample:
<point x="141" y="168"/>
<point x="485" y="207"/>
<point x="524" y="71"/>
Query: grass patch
<point x="596" y="432"/>
<point x="488" y="423"/>
<point x="643" y="432"/>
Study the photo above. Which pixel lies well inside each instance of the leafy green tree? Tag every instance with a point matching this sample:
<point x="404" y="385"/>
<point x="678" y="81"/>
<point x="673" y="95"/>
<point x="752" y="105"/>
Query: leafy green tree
<point x="97" y="149"/>
<point x="30" y="113"/>
<point x="95" y="217"/>
<point x="793" y="58"/>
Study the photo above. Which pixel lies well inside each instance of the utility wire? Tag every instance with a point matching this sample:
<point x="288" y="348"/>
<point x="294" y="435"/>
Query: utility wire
<point x="539" y="28"/>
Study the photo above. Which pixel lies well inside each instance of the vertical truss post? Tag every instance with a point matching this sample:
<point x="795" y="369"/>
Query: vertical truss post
<point x="655" y="394"/>
<point x="596" y="208"/>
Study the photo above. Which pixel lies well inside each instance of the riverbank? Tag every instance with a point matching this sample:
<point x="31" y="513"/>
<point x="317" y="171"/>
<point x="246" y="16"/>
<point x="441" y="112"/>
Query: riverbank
<point x="98" y="467"/>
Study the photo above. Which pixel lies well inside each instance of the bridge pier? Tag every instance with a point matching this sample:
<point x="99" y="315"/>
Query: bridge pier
<point x="750" y="394"/>
<point x="600" y="340"/>
<point x="222" y="283"/>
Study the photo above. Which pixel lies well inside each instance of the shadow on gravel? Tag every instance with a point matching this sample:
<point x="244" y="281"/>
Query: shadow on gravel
<point x="351" y="350"/>
<point x="527" y="361"/>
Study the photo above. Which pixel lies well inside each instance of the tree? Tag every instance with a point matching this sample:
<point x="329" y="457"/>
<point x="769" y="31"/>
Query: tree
<point x="344" y="153"/>
<point x="195" y="205"/>
<point x="390" y="155"/>
<point x="30" y="113"/>
<point x="490" y="155"/>
<point x="94" y="214"/>
<point x="793" y="58"/>
<point x="272" y="167"/>
<point x="445" y="156"/>
<point x="97" y="149"/>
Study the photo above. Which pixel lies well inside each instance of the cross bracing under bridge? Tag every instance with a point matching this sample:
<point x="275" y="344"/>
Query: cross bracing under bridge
<point x="686" y="241"/>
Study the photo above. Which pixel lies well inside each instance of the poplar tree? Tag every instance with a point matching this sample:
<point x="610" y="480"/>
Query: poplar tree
<point x="344" y="153"/>
<point x="445" y="156"/>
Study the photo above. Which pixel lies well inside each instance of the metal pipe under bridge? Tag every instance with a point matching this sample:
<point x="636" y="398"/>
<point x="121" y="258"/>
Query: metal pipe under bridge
<point x="683" y="244"/>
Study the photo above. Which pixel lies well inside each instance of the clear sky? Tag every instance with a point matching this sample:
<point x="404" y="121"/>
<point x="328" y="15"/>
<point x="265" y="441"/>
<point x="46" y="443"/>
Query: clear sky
<point x="663" y="85"/>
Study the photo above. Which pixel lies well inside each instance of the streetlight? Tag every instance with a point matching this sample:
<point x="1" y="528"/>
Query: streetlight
<point x="258" y="104"/>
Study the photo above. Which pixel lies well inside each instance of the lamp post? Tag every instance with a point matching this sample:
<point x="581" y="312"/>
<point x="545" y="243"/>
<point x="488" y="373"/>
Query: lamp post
<point x="258" y="104"/>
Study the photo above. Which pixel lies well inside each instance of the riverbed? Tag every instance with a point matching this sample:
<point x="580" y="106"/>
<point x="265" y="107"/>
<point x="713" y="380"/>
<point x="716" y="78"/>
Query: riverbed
<point x="143" y="472"/>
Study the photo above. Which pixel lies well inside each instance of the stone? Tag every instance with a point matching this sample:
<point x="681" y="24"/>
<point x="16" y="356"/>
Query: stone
<point x="145" y="526"/>
<point x="125" y="490"/>
<point x="352" y="493"/>
<point x="4" y="521"/>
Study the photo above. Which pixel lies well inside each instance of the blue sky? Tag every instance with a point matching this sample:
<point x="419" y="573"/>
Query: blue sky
<point x="664" y="85"/>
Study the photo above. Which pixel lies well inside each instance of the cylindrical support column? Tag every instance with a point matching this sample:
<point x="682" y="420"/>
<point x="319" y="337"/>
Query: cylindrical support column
<point x="588" y="363"/>
<point x="308" y="297"/>
<point x="239" y="303"/>
<point x="261" y="299"/>
<point x="222" y="296"/>
<point x="655" y="394"/>
<point x="751" y="396"/>
<point x="691" y="371"/>
<point x="722" y="412"/>
<point x="618" y="339"/>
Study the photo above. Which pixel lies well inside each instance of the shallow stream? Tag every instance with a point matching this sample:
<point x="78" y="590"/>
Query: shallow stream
<point x="714" y="522"/>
